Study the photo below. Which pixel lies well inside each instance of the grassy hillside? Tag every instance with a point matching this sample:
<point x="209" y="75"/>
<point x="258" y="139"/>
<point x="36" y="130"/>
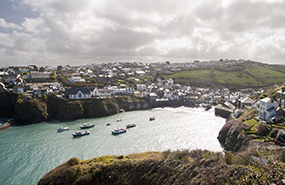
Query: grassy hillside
<point x="180" y="167"/>
<point x="249" y="74"/>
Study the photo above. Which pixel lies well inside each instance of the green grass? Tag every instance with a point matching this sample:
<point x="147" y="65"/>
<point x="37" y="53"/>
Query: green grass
<point x="253" y="123"/>
<point x="235" y="77"/>
<point x="249" y="74"/>
<point x="197" y="74"/>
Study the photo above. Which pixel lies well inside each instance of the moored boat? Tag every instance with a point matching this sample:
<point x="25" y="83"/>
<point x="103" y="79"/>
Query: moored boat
<point x="117" y="131"/>
<point x="85" y="125"/>
<point x="108" y="124"/>
<point x="80" y="133"/>
<point x="119" y="120"/>
<point x="151" y="118"/>
<point x="130" y="125"/>
<point x="62" y="129"/>
<point x="208" y="107"/>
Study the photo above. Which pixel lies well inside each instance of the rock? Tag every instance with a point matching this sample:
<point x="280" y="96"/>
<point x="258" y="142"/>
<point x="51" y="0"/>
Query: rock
<point x="8" y="101"/>
<point x="280" y="137"/>
<point x="70" y="110"/>
<point x="232" y="136"/>
<point x="30" y="111"/>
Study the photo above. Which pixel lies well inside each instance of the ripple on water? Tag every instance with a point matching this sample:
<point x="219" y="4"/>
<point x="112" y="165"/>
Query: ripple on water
<point x="29" y="152"/>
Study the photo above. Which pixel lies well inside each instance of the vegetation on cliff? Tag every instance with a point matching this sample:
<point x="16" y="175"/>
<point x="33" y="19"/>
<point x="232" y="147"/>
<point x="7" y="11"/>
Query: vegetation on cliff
<point x="28" y="111"/>
<point x="180" y="167"/>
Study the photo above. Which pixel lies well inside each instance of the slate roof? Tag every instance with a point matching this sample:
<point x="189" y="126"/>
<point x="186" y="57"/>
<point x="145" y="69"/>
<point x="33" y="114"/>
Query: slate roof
<point x="40" y="75"/>
<point x="75" y="91"/>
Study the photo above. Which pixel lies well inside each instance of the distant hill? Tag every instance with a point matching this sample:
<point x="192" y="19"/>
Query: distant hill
<point x="248" y="74"/>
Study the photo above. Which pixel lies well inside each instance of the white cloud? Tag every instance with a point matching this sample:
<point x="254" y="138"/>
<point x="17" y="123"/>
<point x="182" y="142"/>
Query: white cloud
<point x="108" y="30"/>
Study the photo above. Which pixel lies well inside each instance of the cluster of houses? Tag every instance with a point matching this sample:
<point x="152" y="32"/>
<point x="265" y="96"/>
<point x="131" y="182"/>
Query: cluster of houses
<point x="132" y="78"/>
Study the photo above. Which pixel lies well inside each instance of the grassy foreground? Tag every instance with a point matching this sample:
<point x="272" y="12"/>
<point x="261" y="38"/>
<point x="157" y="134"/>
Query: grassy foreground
<point x="180" y="167"/>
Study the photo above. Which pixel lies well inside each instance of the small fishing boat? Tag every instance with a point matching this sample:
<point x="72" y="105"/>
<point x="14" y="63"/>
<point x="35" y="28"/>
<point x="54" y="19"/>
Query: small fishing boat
<point x="85" y="125"/>
<point x="117" y="131"/>
<point x="60" y="129"/>
<point x="151" y="118"/>
<point x="208" y="107"/>
<point x="80" y="133"/>
<point x="119" y="120"/>
<point x="121" y="110"/>
<point x="131" y="125"/>
<point x="108" y="124"/>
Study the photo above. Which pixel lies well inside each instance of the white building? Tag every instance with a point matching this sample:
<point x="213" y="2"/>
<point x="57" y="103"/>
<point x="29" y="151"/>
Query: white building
<point x="75" y="79"/>
<point x="267" y="108"/>
<point x="141" y="87"/>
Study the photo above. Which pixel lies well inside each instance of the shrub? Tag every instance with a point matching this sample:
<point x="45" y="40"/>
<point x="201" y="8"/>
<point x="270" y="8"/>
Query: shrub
<point x="229" y="158"/>
<point x="263" y="129"/>
<point x="73" y="161"/>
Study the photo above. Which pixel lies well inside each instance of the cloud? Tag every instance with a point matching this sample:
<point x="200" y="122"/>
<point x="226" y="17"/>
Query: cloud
<point x="79" y="32"/>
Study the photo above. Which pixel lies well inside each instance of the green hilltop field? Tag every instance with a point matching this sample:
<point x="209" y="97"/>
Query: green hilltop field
<point x="249" y="74"/>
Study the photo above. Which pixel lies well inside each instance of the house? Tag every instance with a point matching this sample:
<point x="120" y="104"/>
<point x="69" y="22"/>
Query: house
<point x="76" y="79"/>
<point x="246" y="102"/>
<point x="77" y="93"/>
<point x="140" y="73"/>
<point x="141" y="87"/>
<point x="280" y="97"/>
<point x="152" y="96"/>
<point x="38" y="77"/>
<point x="267" y="108"/>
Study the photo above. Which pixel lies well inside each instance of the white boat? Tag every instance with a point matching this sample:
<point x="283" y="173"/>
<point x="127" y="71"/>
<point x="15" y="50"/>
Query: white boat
<point x="62" y="129"/>
<point x="117" y="131"/>
<point x="85" y="125"/>
<point x="119" y="120"/>
<point x="80" y="133"/>
<point x="130" y="125"/>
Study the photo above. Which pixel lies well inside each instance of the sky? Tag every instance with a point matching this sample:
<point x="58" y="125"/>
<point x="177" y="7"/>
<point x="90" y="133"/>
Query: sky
<point x="56" y="32"/>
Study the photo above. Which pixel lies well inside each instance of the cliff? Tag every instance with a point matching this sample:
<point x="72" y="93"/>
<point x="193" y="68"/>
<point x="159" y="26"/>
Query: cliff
<point x="49" y="108"/>
<point x="232" y="135"/>
<point x="29" y="111"/>
<point x="180" y="167"/>
<point x="8" y="101"/>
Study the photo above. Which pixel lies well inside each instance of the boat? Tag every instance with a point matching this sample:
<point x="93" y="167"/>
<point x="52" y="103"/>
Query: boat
<point x="131" y="125"/>
<point x="121" y="110"/>
<point x="108" y="124"/>
<point x="85" y="125"/>
<point x="80" y="133"/>
<point x="119" y="120"/>
<point x="62" y="129"/>
<point x="117" y="131"/>
<point x="151" y="118"/>
<point x="208" y="107"/>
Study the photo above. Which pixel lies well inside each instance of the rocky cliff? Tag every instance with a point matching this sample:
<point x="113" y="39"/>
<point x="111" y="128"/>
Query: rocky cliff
<point x="28" y="110"/>
<point x="232" y="135"/>
<point x="8" y="101"/>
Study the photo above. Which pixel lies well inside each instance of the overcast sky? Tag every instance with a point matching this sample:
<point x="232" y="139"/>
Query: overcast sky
<point x="53" y="32"/>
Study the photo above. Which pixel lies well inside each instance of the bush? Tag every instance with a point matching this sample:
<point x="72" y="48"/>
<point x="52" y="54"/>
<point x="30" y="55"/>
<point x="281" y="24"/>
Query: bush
<point x="263" y="129"/>
<point x="73" y="161"/>
<point x="229" y="158"/>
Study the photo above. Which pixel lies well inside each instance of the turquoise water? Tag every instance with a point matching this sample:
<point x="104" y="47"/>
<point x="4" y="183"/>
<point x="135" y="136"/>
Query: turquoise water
<point x="29" y="152"/>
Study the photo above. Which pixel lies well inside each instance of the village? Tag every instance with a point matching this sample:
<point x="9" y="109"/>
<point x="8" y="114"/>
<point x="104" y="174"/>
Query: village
<point x="140" y="80"/>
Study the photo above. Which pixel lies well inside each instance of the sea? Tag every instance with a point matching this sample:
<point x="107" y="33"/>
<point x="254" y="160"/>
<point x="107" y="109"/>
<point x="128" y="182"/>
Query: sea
<point x="27" y="153"/>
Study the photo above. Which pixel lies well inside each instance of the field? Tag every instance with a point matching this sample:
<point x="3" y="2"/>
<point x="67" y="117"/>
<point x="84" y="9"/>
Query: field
<point x="250" y="74"/>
